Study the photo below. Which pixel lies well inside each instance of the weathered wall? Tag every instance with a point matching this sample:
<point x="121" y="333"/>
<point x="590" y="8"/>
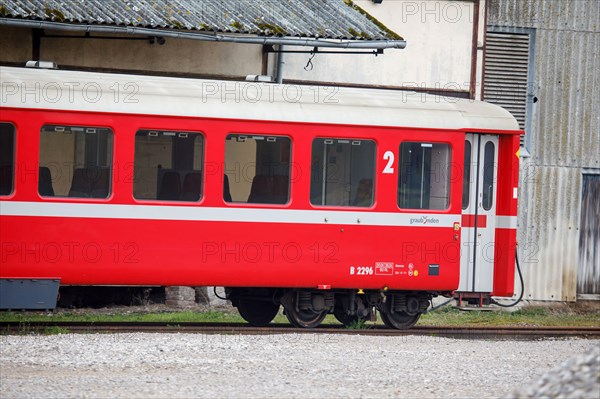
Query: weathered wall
<point x="565" y="137"/>
<point x="15" y="44"/>
<point x="438" y="54"/>
<point x="176" y="55"/>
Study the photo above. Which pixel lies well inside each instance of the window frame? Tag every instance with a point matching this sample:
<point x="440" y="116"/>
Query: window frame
<point x="290" y="138"/>
<point x="448" y="172"/>
<point x="374" y="177"/>
<point x="202" y="171"/>
<point x="489" y="193"/>
<point x="466" y="182"/>
<point x="13" y="187"/>
<point x="110" y="163"/>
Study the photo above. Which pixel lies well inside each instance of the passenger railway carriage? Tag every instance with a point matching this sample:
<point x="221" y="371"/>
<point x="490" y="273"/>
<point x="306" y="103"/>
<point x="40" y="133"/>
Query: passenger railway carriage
<point x="320" y="200"/>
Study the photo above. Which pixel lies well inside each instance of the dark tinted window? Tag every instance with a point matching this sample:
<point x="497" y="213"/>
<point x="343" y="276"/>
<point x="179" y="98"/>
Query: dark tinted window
<point x="257" y="169"/>
<point x="424" y="180"/>
<point x="342" y="172"/>
<point x="168" y="165"/>
<point x="488" y="176"/>
<point x="75" y="161"/>
<point x="7" y="158"/>
<point x="466" y="176"/>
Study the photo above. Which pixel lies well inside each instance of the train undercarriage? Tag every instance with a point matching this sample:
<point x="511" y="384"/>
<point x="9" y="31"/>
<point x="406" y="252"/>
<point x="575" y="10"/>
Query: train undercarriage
<point x="308" y="308"/>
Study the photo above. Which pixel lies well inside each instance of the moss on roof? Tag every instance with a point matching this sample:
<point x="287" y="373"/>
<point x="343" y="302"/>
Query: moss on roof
<point x="274" y="29"/>
<point x="261" y="17"/>
<point x="388" y="32"/>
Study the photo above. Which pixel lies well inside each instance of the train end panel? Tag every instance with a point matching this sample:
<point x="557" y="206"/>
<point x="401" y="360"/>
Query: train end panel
<point x="489" y="220"/>
<point x="506" y="233"/>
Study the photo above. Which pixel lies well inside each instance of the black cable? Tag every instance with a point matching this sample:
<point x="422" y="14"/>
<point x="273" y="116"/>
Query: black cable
<point x="309" y="65"/>
<point x="522" y="286"/>
<point x="438" y="306"/>
<point x="217" y="295"/>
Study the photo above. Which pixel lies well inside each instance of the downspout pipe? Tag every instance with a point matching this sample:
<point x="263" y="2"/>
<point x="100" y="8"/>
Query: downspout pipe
<point x="217" y="37"/>
<point x="280" y="63"/>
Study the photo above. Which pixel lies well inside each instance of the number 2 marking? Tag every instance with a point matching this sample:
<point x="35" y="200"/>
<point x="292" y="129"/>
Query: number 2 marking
<point x="388" y="156"/>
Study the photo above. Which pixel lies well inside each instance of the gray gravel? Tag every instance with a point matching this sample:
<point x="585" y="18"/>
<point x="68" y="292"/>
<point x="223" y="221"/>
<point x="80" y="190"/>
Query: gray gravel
<point x="274" y="366"/>
<point x="578" y="377"/>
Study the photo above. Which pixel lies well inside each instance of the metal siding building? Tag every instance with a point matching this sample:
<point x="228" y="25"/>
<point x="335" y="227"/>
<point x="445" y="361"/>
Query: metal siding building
<point x="564" y="143"/>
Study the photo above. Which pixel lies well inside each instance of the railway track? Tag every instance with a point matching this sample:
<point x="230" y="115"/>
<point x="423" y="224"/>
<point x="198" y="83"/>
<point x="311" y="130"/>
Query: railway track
<point x="245" y="329"/>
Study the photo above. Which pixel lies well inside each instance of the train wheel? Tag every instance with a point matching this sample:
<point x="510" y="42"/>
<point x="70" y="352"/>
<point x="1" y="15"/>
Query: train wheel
<point x="346" y="319"/>
<point x="304" y="318"/>
<point x="256" y="312"/>
<point x="399" y="320"/>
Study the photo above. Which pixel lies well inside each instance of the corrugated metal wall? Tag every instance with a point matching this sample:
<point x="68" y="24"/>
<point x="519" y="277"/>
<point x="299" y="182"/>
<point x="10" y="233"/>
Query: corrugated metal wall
<point x="564" y="134"/>
<point x="507" y="72"/>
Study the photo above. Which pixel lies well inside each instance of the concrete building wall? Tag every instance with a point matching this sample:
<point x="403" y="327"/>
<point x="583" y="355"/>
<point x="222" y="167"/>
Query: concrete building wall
<point x="438" y="55"/>
<point x="564" y="137"/>
<point x="177" y="56"/>
<point x="15" y="45"/>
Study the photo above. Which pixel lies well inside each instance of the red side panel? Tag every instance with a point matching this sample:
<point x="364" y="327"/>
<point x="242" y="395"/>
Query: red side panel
<point x="124" y="250"/>
<point x="506" y="232"/>
<point x="150" y="252"/>
<point x="474" y="220"/>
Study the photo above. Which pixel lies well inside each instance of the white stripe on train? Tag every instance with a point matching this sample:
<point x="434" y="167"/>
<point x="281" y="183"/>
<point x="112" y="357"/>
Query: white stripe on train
<point x="226" y="214"/>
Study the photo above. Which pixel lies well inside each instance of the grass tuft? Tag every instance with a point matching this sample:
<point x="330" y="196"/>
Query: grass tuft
<point x="526" y="316"/>
<point x="359" y="324"/>
<point x="557" y="315"/>
<point x="55" y="330"/>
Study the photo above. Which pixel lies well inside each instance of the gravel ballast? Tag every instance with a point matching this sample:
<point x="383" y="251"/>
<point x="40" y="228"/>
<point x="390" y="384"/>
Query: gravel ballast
<point x="274" y="366"/>
<point x="577" y="378"/>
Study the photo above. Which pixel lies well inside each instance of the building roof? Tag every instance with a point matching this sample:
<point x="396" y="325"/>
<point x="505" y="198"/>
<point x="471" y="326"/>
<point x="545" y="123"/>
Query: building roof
<point x="327" y="19"/>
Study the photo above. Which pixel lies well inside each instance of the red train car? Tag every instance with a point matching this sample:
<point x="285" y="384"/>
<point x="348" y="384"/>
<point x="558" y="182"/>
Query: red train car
<point x="322" y="200"/>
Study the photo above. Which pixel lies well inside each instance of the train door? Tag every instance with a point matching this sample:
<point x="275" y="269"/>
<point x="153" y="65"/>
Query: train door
<point x="478" y="213"/>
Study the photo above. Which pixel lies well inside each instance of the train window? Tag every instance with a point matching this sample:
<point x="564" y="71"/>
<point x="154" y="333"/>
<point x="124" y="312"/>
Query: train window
<point x="7" y="158"/>
<point x="257" y="169"/>
<point x="488" y="176"/>
<point x="75" y="161"/>
<point x="466" y="176"/>
<point x="168" y="165"/>
<point x="342" y="172"/>
<point x="424" y="179"/>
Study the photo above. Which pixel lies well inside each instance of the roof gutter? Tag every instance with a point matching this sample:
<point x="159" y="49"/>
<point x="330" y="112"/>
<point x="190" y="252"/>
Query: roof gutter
<point x="216" y="37"/>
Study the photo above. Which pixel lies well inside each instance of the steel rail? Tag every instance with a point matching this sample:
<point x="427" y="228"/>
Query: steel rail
<point x="505" y="332"/>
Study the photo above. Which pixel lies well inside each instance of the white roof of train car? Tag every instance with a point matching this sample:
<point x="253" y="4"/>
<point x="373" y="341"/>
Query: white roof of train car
<point x="100" y="92"/>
